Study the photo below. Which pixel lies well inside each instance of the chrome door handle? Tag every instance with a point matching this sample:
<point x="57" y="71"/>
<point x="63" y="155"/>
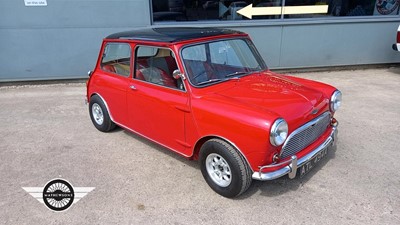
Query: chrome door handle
<point x="132" y="87"/>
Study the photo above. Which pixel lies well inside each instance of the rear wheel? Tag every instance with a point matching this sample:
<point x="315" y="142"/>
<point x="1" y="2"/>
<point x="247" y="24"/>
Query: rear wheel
<point x="224" y="168"/>
<point x="99" y="114"/>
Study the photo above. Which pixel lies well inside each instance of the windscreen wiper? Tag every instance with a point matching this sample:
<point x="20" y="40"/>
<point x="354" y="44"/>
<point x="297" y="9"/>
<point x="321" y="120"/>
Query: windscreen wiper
<point x="236" y="74"/>
<point x="208" y="81"/>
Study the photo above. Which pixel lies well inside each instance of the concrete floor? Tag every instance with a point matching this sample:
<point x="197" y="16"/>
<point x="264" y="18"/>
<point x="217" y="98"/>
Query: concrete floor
<point x="46" y="132"/>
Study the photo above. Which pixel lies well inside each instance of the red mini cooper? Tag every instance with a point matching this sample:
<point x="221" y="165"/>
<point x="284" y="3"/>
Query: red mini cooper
<point x="206" y="94"/>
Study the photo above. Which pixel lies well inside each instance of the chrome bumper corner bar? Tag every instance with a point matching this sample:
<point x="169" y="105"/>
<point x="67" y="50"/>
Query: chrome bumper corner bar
<point x="294" y="162"/>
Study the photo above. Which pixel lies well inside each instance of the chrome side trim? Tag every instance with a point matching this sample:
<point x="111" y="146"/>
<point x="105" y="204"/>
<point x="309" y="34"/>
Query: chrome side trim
<point x="141" y="135"/>
<point x="133" y="131"/>
<point x="187" y="156"/>
<point x="294" y="162"/>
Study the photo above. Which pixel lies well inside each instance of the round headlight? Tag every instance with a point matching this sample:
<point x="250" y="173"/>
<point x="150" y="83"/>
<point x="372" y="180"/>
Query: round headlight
<point x="279" y="132"/>
<point x="336" y="100"/>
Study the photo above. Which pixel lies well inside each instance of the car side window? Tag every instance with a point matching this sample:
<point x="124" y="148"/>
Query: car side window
<point x="117" y="59"/>
<point x="156" y="65"/>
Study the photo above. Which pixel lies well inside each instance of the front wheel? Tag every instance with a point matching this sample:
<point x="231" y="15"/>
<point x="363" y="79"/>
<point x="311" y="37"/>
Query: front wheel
<point x="224" y="168"/>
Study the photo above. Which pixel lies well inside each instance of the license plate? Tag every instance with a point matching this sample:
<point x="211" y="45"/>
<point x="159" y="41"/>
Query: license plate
<point x="304" y="169"/>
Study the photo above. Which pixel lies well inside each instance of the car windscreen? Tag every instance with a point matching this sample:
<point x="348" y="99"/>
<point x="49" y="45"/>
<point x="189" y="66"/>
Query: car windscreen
<point x="216" y="61"/>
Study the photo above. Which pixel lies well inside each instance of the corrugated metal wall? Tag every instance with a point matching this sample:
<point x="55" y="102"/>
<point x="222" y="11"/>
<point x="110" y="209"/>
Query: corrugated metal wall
<point x="62" y="40"/>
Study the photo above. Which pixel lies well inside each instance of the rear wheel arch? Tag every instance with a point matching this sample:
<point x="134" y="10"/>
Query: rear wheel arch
<point x="105" y="103"/>
<point x="100" y="114"/>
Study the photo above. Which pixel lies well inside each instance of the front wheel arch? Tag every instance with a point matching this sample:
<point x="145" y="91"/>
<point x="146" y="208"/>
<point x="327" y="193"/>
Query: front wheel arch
<point x="218" y="158"/>
<point x="201" y="141"/>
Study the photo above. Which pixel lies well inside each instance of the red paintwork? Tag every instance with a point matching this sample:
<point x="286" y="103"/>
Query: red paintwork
<point x="239" y="111"/>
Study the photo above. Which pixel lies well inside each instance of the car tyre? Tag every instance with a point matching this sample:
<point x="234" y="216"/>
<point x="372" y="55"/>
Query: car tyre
<point x="99" y="114"/>
<point x="224" y="168"/>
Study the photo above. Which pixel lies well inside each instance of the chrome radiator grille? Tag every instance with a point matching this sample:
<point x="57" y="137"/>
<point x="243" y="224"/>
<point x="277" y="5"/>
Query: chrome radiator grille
<point x="305" y="135"/>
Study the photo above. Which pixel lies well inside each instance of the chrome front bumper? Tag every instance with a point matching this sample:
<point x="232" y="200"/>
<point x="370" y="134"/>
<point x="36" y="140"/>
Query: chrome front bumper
<point x="294" y="163"/>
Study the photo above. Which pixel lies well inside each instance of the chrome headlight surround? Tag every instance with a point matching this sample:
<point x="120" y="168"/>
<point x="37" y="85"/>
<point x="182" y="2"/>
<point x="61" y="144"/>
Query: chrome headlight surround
<point x="336" y="100"/>
<point x="279" y="132"/>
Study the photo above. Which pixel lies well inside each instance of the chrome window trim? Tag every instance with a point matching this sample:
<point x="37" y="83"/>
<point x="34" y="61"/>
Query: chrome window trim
<point x="130" y="58"/>
<point x="244" y="38"/>
<point x="154" y="46"/>
<point x="159" y="85"/>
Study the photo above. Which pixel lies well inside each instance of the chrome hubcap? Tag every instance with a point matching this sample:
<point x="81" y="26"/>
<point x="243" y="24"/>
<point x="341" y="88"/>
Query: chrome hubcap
<point x="97" y="114"/>
<point x="218" y="169"/>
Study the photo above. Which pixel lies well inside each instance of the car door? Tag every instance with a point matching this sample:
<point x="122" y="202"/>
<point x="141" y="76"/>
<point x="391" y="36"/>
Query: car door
<point x="157" y="103"/>
<point x="114" y="76"/>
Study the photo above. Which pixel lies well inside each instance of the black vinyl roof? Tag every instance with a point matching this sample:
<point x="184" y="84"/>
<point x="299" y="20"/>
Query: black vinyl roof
<point x="171" y="34"/>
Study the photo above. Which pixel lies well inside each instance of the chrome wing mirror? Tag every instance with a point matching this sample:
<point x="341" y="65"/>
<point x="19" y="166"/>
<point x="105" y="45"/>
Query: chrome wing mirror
<point x="177" y="74"/>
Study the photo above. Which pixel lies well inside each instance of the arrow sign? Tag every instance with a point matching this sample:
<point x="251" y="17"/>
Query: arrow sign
<point x="250" y="11"/>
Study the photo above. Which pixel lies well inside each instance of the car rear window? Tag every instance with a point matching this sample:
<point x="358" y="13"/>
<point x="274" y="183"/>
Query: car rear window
<point x="117" y="59"/>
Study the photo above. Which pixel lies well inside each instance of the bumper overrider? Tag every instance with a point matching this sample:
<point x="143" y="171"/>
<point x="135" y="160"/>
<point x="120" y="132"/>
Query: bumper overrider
<point x="294" y="163"/>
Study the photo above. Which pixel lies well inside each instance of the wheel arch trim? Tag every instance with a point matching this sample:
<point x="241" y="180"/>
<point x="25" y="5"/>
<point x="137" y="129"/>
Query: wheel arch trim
<point x="211" y="136"/>
<point x="105" y="103"/>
